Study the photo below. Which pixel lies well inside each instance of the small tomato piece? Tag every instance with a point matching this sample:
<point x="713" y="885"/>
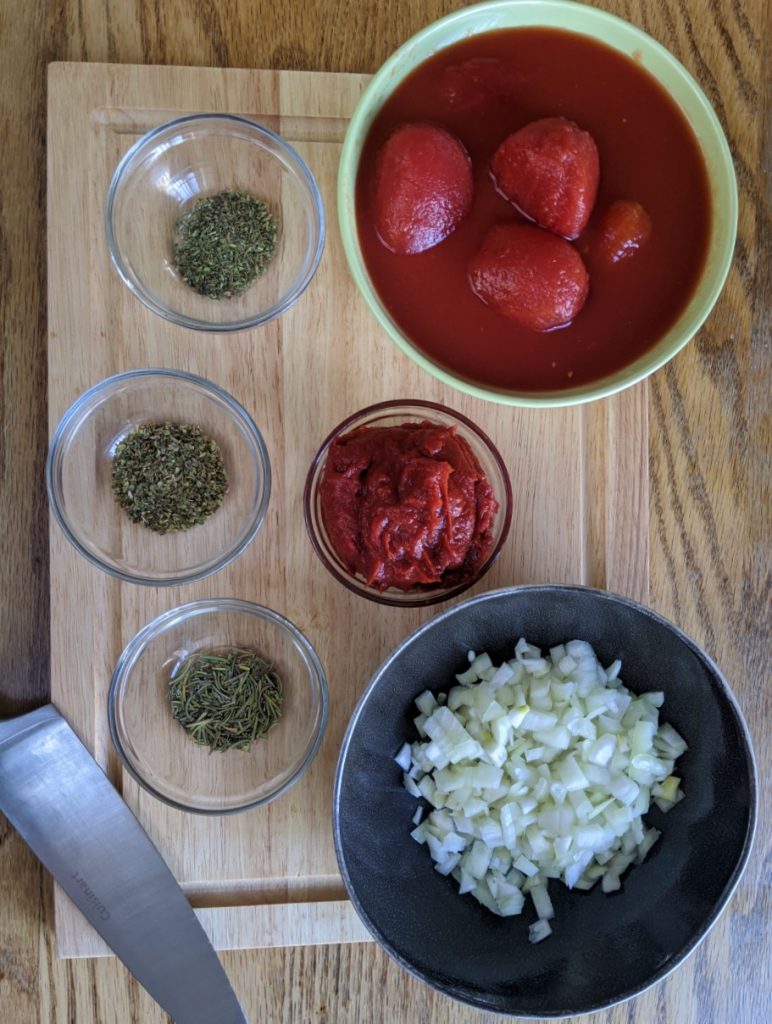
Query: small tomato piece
<point x="624" y="228"/>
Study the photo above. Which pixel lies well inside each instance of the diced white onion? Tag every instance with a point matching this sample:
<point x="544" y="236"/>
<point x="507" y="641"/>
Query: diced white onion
<point x="411" y="786"/>
<point x="426" y="703"/>
<point x="540" y="767"/>
<point x="539" y="930"/>
<point x="403" y="758"/>
<point x="542" y="903"/>
<point x="526" y="866"/>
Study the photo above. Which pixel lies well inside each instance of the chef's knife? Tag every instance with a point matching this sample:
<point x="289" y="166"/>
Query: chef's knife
<point x="64" y="807"/>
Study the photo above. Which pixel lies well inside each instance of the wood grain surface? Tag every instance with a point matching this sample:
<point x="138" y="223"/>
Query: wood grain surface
<point x="270" y="877"/>
<point x="709" y="462"/>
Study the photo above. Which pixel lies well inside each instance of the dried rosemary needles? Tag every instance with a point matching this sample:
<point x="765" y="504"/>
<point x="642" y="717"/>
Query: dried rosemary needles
<point x="226" y="699"/>
<point x="168" y="476"/>
<point x="223" y="243"/>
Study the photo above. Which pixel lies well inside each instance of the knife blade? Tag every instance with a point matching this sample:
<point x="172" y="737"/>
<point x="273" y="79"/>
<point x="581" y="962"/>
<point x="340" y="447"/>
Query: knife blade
<point x="63" y="805"/>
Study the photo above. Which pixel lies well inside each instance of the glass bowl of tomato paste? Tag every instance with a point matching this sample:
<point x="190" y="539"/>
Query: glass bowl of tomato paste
<point x="407" y="503"/>
<point x="537" y="202"/>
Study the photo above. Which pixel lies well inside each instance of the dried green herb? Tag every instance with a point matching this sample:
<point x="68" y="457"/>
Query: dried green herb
<point x="169" y="476"/>
<point x="226" y="699"/>
<point x="223" y="243"/>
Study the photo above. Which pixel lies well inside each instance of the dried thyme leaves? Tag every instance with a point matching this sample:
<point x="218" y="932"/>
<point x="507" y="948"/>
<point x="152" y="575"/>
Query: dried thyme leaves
<point x="226" y="699"/>
<point x="168" y="476"/>
<point x="223" y="243"/>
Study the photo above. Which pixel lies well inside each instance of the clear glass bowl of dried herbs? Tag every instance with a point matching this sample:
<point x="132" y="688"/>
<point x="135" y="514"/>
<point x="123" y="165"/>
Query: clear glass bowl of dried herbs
<point x="215" y="222"/>
<point x="218" y="706"/>
<point x="158" y="476"/>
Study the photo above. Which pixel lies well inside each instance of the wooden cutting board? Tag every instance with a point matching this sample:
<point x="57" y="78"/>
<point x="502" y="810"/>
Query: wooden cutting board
<point x="268" y="877"/>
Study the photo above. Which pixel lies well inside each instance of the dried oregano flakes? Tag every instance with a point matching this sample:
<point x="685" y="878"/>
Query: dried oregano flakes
<point x="169" y="476"/>
<point x="223" y="243"/>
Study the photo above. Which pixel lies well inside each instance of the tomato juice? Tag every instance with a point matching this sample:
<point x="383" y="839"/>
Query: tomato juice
<point x="486" y="87"/>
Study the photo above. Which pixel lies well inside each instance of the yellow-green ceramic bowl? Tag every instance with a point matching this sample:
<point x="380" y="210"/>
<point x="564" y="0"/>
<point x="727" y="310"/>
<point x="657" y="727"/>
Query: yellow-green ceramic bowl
<point x="622" y="36"/>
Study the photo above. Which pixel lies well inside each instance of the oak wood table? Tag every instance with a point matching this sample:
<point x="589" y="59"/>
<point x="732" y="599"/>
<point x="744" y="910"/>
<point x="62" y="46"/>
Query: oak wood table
<point x="710" y="446"/>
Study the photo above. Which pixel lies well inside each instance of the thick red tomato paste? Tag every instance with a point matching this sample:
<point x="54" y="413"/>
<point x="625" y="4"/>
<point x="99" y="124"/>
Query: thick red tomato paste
<point x="407" y="505"/>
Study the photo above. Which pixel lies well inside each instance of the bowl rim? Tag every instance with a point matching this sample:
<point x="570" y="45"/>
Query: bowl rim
<point x="423" y="598"/>
<point x="292" y="158"/>
<point x="568" y="10"/>
<point x="747" y="748"/>
<point x="235" y="408"/>
<point x="181" y="613"/>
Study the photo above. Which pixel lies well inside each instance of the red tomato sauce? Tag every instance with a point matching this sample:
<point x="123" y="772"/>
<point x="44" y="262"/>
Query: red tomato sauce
<point x="648" y="153"/>
<point x="407" y="505"/>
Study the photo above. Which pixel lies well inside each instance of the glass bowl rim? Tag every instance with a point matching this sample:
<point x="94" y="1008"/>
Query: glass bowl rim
<point x="182" y="613"/>
<point x="148" y="299"/>
<point x="80" y="409"/>
<point x="424" y="598"/>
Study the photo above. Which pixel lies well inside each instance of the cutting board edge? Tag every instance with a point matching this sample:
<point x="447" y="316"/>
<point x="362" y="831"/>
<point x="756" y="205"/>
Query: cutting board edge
<point x="87" y="78"/>
<point x="270" y="926"/>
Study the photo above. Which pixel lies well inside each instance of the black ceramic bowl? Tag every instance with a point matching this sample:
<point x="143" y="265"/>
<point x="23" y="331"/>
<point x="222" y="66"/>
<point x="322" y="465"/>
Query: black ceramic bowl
<point x="604" y="948"/>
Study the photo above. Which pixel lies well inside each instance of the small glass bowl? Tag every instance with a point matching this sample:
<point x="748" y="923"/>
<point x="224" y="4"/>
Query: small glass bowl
<point x="387" y="414"/>
<point x="163" y="175"/>
<point x="157" y="750"/>
<point x="79" y="477"/>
